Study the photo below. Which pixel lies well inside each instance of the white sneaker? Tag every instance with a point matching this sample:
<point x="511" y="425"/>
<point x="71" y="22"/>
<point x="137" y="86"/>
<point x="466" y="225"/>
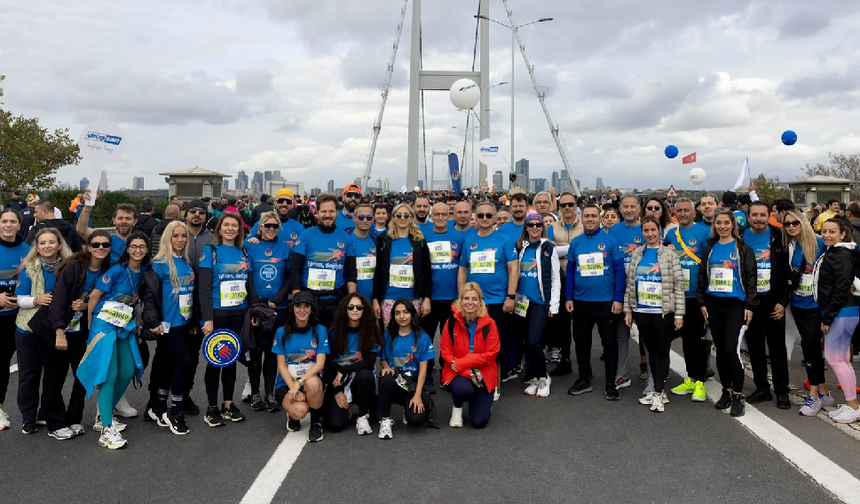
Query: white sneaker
<point x="362" y="425"/>
<point x="456" y="418"/>
<point x="385" y="427"/>
<point x="543" y="386"/>
<point x="98" y="427"/>
<point x="826" y="400"/>
<point x="532" y="388"/>
<point x="832" y="414"/>
<point x="649" y="387"/>
<point x="496" y="394"/>
<point x="111" y="439"/>
<point x="61" y="434"/>
<point x="646" y="399"/>
<point x="246" y="392"/>
<point x="847" y="415"/>
<point x="811" y="407"/>
<point x="124" y="409"/>
<point x="77" y="429"/>
<point x="4" y="420"/>
<point x="657" y="402"/>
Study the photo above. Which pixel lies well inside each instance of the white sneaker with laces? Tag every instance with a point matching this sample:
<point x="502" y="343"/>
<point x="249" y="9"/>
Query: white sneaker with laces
<point x="4" y="420"/>
<point x="124" y="409"/>
<point x="646" y="399"/>
<point x="98" y="427"/>
<point x="362" y="425"/>
<point x="456" y="418"/>
<point x="543" y="386"/>
<point x="847" y="415"/>
<point x="77" y="429"/>
<point x="811" y="407"/>
<point x="827" y="400"/>
<point x="532" y="387"/>
<point x="838" y="410"/>
<point x="657" y="402"/>
<point x="111" y="439"/>
<point x="61" y="434"/>
<point x="385" y="427"/>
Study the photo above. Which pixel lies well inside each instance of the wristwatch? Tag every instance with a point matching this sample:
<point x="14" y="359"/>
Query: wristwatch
<point x="512" y="296"/>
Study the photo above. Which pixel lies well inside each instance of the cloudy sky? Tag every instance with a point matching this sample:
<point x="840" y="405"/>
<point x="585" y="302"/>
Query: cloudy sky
<point x="233" y="85"/>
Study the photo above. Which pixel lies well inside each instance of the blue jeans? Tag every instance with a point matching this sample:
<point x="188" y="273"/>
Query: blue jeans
<point x="532" y="327"/>
<point x="479" y="399"/>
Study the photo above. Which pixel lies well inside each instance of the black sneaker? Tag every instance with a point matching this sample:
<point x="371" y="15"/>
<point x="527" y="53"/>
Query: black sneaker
<point x="563" y="368"/>
<point x="232" y="413"/>
<point x="782" y="401"/>
<point x="213" y="417"/>
<point x="611" y="392"/>
<point x="725" y="400"/>
<point x="189" y="407"/>
<point x="176" y="422"/>
<point x="257" y="403"/>
<point x="316" y="433"/>
<point x="29" y="428"/>
<point x="148" y="415"/>
<point x="738" y="406"/>
<point x="581" y="386"/>
<point x="293" y="425"/>
<point x="271" y="405"/>
<point x="759" y="396"/>
<point x="158" y="412"/>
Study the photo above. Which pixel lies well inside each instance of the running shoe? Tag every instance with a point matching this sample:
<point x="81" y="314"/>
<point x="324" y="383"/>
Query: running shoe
<point x="29" y="428"/>
<point x="643" y="371"/>
<point x="385" y="427"/>
<point x="563" y="368"/>
<point x="272" y="405"/>
<point x="158" y="412"/>
<point x="4" y="420"/>
<point x="362" y="425"/>
<point x="124" y="409"/>
<point x="148" y="414"/>
<point x="213" y="417"/>
<point x="657" y="402"/>
<point x="232" y="413"/>
<point x="838" y="410"/>
<point x="847" y="415"/>
<point x="531" y="389"/>
<point x="782" y="401"/>
<point x="112" y="439"/>
<point x="176" y="422"/>
<point x="611" y="392"/>
<point x="61" y="434"/>
<point x="117" y="425"/>
<point x="687" y="387"/>
<point x="543" y="387"/>
<point x="580" y="387"/>
<point x="456" y="418"/>
<point x="760" y="396"/>
<point x="724" y="401"/>
<point x="257" y="403"/>
<point x="496" y="395"/>
<point x="315" y="435"/>
<point x="510" y="375"/>
<point x="738" y="407"/>
<point x="77" y="429"/>
<point x="827" y="401"/>
<point x="811" y="407"/>
<point x="293" y="425"/>
<point x="647" y="399"/>
<point x="700" y="393"/>
<point x="246" y="392"/>
<point x="623" y="382"/>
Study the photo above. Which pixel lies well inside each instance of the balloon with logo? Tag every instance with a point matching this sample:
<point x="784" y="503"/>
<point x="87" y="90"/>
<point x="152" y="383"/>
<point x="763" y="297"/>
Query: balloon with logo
<point x="789" y="137"/>
<point x="697" y="176"/>
<point x="671" y="151"/>
<point x="465" y="94"/>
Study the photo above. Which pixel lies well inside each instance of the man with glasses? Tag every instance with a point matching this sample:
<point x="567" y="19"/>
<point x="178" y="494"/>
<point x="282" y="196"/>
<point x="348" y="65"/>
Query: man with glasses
<point x="365" y="249"/>
<point x="543" y="203"/>
<point x="290" y="228"/>
<point x="445" y="247"/>
<point x="491" y="260"/>
<point x="421" y="207"/>
<point x="562" y="232"/>
<point x="351" y="198"/>
<point x="519" y="206"/>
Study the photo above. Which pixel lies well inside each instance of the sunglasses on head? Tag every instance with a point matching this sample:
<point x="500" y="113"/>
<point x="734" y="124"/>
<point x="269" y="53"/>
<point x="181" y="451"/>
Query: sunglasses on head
<point x="364" y="217"/>
<point x="353" y="194"/>
<point x="534" y="225"/>
<point x="355" y="307"/>
<point x="285" y="201"/>
<point x="96" y="245"/>
<point x="484" y="216"/>
<point x="566" y="205"/>
<point x="271" y="226"/>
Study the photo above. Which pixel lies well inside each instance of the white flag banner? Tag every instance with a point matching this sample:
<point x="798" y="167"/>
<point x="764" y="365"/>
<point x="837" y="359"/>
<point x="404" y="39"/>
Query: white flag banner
<point x="745" y="174"/>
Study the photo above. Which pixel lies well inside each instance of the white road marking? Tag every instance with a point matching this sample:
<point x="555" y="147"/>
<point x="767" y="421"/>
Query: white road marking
<point x="269" y="480"/>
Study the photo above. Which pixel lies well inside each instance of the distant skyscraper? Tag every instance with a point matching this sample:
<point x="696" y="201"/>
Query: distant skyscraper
<point x="564" y="181"/>
<point x="385" y="186"/>
<point x="242" y="181"/>
<point x="268" y="175"/>
<point x="556" y="182"/>
<point x="329" y="188"/>
<point x="498" y="181"/>
<point x="357" y="181"/>
<point x="258" y="182"/>
<point x="103" y="183"/>
<point x="599" y="185"/>
<point x="276" y="175"/>
<point x="226" y="185"/>
<point x="539" y="184"/>
<point x="521" y="168"/>
<point x="137" y="183"/>
<point x="420" y="185"/>
<point x="379" y="184"/>
<point x="85" y="182"/>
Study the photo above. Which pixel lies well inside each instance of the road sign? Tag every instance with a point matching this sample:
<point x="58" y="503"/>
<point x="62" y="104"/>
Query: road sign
<point x="671" y="193"/>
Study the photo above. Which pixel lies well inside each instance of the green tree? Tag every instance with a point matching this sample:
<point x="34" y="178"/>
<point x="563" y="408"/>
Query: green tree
<point x="30" y="155"/>
<point x="841" y="166"/>
<point x="769" y="189"/>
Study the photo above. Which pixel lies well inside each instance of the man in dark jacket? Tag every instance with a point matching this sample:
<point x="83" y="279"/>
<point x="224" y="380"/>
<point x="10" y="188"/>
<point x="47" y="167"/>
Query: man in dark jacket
<point x="16" y="203"/>
<point x="852" y="213"/>
<point x="261" y="208"/>
<point x="44" y="214"/>
<point x="171" y="213"/>
<point x="145" y="221"/>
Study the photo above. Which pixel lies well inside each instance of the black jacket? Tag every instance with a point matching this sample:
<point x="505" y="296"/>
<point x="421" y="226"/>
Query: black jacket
<point x="260" y="210"/>
<point x="420" y="262"/>
<point x="780" y="268"/>
<point x="835" y="270"/>
<point x="68" y="288"/>
<point x="145" y="223"/>
<point x="68" y="232"/>
<point x="155" y="236"/>
<point x="746" y="269"/>
<point x="150" y="294"/>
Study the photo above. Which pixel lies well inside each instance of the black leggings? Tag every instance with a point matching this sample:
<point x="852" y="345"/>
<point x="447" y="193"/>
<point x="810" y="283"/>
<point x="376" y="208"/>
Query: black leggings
<point x="726" y="317"/>
<point x="263" y="360"/>
<point x="56" y="366"/>
<point x="656" y="331"/>
<point x="7" y="350"/>
<point x="392" y="393"/>
<point x="227" y="375"/>
<point x="695" y="346"/>
<point x="171" y="361"/>
<point x="809" y="326"/>
<point x="362" y="387"/>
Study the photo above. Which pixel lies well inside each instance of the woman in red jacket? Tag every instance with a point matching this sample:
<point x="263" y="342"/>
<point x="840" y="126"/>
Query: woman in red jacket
<point x="469" y="355"/>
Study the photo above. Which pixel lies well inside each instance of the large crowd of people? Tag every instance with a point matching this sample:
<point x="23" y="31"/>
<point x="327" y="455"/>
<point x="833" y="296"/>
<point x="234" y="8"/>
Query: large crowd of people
<point x="338" y="302"/>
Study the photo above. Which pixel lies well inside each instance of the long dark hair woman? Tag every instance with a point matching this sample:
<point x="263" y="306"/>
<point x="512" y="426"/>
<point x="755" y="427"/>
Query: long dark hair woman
<point x="355" y="344"/>
<point x="76" y="279"/>
<point x="12" y="251"/>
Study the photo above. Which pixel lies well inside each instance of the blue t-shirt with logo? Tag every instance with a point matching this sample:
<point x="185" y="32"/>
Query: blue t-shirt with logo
<point x="288" y="233"/>
<point x="344" y="222"/>
<point x="649" y="287"/>
<point x="696" y="239"/>
<point x="425" y="226"/>
<point x="486" y="262"/>
<point x="405" y="355"/>
<point x="724" y="278"/>
<point x="230" y="269"/>
<point x="595" y="268"/>
<point x="325" y="258"/>
<point x="270" y="262"/>
<point x="512" y="230"/>
<point x="401" y="273"/>
<point x="741" y="219"/>
<point x="10" y="259"/>
<point x="760" y="244"/>
<point x="802" y="296"/>
<point x="445" y="251"/>
<point x="365" y="263"/>
<point x="176" y="304"/>
<point x="120" y="284"/>
<point x="352" y="354"/>
<point x="528" y="282"/>
<point x="629" y="238"/>
<point x="117" y="247"/>
<point x="299" y="350"/>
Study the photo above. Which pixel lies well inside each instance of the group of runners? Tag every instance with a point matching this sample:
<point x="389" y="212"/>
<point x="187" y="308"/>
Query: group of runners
<point x="338" y="319"/>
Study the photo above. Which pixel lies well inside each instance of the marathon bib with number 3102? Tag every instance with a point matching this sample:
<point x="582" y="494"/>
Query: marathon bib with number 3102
<point x="483" y="261"/>
<point x="114" y="313"/>
<point x="440" y="252"/>
<point x="591" y="264"/>
<point x="401" y="276"/>
<point x="721" y="280"/>
<point x="233" y="293"/>
<point x="321" y="279"/>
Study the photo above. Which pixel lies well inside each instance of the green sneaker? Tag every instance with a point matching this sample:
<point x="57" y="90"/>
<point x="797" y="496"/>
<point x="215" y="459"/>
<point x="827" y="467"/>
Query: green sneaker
<point x="700" y="394"/>
<point x="685" y="388"/>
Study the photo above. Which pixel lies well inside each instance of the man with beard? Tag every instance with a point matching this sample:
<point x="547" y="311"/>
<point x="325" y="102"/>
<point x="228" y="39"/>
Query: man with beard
<point x="124" y="218"/>
<point x="519" y="207"/>
<point x="422" y="211"/>
<point x="351" y="198"/>
<point x="290" y="228"/>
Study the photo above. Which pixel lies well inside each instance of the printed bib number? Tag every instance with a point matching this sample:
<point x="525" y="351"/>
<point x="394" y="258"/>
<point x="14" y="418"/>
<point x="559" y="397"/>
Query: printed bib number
<point x="591" y="264"/>
<point x="805" y="287"/>
<point x="114" y="313"/>
<point x="233" y="293"/>
<point x="300" y="369"/>
<point x="762" y="283"/>
<point x="440" y="252"/>
<point x="482" y="262"/>
<point x="401" y="276"/>
<point x="650" y="293"/>
<point x="185" y="305"/>
<point x="75" y="324"/>
<point x="686" y="279"/>
<point x="521" y="305"/>
<point x="722" y="280"/>
<point x="366" y="267"/>
<point x="321" y="279"/>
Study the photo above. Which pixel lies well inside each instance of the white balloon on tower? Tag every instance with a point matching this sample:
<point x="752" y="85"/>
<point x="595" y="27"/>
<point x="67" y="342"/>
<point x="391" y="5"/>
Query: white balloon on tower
<point x="465" y="94"/>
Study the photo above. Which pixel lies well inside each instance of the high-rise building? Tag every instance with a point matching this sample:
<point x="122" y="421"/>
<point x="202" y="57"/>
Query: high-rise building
<point x="276" y="175"/>
<point x="498" y="181"/>
<point x="420" y="184"/>
<point x="225" y="186"/>
<point x="563" y="181"/>
<point x="267" y="175"/>
<point x="258" y="182"/>
<point x="103" y="183"/>
<point x="242" y="181"/>
<point x="521" y="168"/>
<point x="538" y="185"/>
<point x="599" y="185"/>
<point x="379" y="184"/>
<point x="137" y="183"/>
<point x="556" y="182"/>
<point x="329" y="188"/>
<point x="316" y="191"/>
<point x="84" y="183"/>
<point x="357" y="181"/>
<point x="385" y="186"/>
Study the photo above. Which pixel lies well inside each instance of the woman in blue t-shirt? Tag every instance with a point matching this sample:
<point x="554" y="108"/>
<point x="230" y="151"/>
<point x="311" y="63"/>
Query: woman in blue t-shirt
<point x="12" y="251"/>
<point x="727" y="296"/>
<point x="168" y="289"/>
<point x="349" y="373"/>
<point x="301" y="345"/>
<point x="35" y="284"/>
<point x="224" y="266"/>
<point x="405" y="352"/>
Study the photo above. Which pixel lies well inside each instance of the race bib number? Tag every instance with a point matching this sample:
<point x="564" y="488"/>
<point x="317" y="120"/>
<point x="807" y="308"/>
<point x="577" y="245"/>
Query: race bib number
<point x="185" y="305"/>
<point x="650" y="294"/>
<point x="762" y="283"/>
<point x="686" y="279"/>
<point x="483" y="261"/>
<point x="117" y="314"/>
<point x="321" y="279"/>
<point x="440" y="252"/>
<point x="366" y="267"/>
<point x="722" y="280"/>
<point x="299" y="370"/>
<point x="521" y="305"/>
<point x="591" y="264"/>
<point x="233" y="293"/>
<point x="75" y="324"/>
<point x="401" y="276"/>
<point x="804" y="289"/>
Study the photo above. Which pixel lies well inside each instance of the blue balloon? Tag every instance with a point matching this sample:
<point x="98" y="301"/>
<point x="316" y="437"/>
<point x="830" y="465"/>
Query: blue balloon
<point x="671" y="151"/>
<point x="789" y="137"/>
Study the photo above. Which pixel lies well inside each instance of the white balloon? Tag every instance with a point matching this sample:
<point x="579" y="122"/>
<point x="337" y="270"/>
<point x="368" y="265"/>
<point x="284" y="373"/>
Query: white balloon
<point x="465" y="94"/>
<point x="698" y="176"/>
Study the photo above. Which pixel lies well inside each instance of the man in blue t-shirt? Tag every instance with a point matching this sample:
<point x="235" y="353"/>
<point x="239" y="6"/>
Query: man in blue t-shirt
<point x="290" y="228"/>
<point x="124" y="219"/>
<point x="519" y="207"/>
<point x="421" y="206"/>
<point x="365" y="249"/>
<point x="351" y="198"/>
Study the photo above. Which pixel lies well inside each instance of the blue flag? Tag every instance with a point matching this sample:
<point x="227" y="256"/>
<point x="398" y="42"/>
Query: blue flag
<point x="454" y="166"/>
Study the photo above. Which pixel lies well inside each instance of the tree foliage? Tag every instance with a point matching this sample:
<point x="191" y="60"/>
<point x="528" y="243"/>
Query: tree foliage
<point x="31" y="155"/>
<point x="840" y="166"/>
<point x="769" y="189"/>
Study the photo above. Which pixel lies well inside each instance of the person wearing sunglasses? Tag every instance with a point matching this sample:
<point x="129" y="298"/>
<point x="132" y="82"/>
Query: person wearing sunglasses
<point x="290" y="228"/>
<point x="490" y="260"/>
<point x="658" y="208"/>
<point x="562" y="233"/>
<point x="727" y="297"/>
<point x="365" y="249"/>
<point x="351" y="198"/>
<point x="12" y="251"/>
<point x="355" y="343"/>
<point x="537" y="299"/>
<point x="124" y="219"/>
<point x="804" y="248"/>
